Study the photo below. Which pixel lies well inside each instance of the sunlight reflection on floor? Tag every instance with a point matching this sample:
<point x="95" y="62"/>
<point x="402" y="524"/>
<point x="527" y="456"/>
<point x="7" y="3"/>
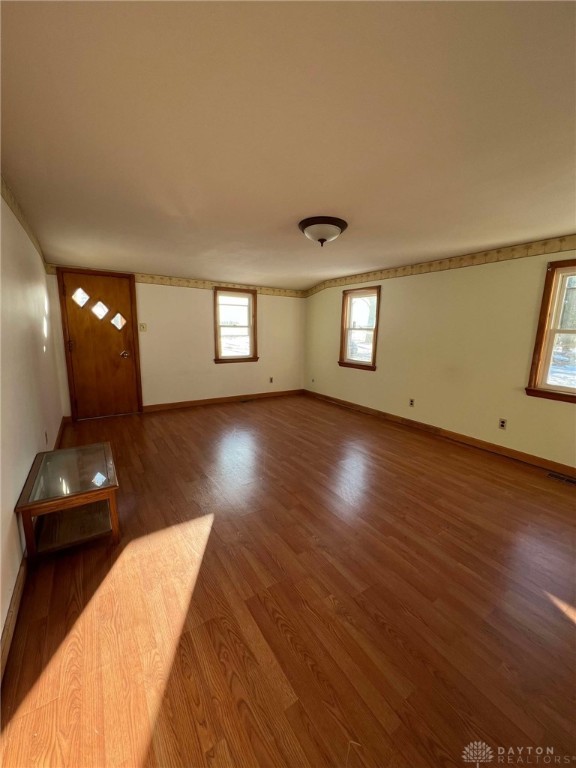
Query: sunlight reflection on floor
<point x="567" y="609"/>
<point x="114" y="663"/>
<point x="350" y="475"/>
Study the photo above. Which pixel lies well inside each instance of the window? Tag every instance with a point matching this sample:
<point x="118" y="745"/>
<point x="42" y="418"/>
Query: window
<point x="100" y="310"/>
<point x="80" y="297"/>
<point x="553" y="372"/>
<point x="235" y="325"/>
<point x="360" y="310"/>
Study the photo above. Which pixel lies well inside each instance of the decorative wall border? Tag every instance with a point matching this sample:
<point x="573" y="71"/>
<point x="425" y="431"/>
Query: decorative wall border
<point x="190" y="282"/>
<point x="183" y="282"/>
<point x="522" y="251"/>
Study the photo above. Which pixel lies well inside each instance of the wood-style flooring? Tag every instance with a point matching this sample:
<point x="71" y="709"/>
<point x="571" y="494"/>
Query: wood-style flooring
<point x="299" y="585"/>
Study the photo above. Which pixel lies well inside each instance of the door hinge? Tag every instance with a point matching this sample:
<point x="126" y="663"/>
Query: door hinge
<point x="70" y="345"/>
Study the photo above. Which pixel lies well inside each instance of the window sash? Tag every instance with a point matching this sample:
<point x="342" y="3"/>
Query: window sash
<point x="347" y="328"/>
<point x="240" y="331"/>
<point x="559" y="289"/>
<point x="555" y="288"/>
<point x="546" y="364"/>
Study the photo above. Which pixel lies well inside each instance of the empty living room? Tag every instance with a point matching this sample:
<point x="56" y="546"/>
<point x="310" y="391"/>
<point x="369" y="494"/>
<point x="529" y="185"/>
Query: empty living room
<point x="288" y="384"/>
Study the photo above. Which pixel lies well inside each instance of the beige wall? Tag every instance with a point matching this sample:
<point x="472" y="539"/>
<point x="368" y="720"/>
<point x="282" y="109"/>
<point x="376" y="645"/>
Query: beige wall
<point x="177" y="350"/>
<point x="30" y="411"/>
<point x="460" y="343"/>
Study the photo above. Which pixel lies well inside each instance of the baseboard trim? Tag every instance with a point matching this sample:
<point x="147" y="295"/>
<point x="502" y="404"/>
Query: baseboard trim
<point x="12" y="615"/>
<point x="65" y="420"/>
<point x="456" y="437"/>
<point x="218" y="400"/>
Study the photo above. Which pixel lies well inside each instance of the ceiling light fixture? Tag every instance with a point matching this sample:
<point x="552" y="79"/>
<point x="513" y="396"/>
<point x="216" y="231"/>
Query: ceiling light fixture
<point x="322" y="229"/>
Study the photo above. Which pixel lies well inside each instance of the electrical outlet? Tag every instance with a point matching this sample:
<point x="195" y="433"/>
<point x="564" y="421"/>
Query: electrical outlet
<point x="271" y="379"/>
<point x="411" y="402"/>
<point x="142" y="327"/>
<point x="502" y="423"/>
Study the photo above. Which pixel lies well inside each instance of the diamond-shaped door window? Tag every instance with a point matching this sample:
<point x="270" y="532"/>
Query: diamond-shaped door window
<point x="100" y="310"/>
<point x="80" y="297"/>
<point x="118" y="321"/>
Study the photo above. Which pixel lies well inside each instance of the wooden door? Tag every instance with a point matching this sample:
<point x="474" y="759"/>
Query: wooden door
<point x="101" y="341"/>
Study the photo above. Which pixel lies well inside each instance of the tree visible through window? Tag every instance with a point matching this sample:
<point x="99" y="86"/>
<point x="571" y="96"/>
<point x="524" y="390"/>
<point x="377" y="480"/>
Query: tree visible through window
<point x="359" y="331"/>
<point x="235" y="325"/>
<point x="553" y="372"/>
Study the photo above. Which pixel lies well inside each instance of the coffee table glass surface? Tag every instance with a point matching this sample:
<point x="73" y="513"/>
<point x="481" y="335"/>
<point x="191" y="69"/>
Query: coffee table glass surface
<point x="73" y="470"/>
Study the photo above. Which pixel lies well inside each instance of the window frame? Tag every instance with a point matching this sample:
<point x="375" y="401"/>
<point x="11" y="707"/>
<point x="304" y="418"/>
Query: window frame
<point x="344" y="328"/>
<point x="252" y="295"/>
<point x="544" y="333"/>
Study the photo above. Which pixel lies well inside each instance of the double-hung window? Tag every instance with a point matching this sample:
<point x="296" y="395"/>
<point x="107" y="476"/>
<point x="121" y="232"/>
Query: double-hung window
<point x="235" y="325"/>
<point x="359" y="332"/>
<point x="553" y="372"/>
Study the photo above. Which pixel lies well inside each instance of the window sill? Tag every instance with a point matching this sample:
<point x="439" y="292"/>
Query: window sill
<point x="236" y="359"/>
<point x="361" y="366"/>
<point x="551" y="394"/>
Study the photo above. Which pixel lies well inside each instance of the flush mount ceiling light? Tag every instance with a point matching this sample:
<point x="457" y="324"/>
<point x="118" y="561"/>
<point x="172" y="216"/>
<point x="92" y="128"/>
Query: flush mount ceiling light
<point x="322" y="229"/>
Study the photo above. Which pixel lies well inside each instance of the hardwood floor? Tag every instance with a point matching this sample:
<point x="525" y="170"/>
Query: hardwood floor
<point x="299" y="585"/>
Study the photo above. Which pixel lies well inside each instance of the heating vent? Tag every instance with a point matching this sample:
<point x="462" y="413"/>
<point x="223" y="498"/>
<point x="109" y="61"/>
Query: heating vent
<point x="562" y="478"/>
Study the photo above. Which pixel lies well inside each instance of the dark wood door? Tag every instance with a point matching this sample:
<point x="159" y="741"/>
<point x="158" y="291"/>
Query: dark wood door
<point x="100" y="336"/>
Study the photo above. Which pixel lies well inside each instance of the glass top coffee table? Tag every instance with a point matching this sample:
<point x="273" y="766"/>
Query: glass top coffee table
<point x="69" y="498"/>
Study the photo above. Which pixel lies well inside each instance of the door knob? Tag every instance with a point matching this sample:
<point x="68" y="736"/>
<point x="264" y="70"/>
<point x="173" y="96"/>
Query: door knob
<point x="125" y="353"/>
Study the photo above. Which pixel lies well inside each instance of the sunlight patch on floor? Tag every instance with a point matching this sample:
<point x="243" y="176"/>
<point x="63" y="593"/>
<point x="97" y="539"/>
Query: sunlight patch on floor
<point x="350" y="476"/>
<point x="568" y="610"/>
<point x="112" y="667"/>
<point x="155" y="593"/>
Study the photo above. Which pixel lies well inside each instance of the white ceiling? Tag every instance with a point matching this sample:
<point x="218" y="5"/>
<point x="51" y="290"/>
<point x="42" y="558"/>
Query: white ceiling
<point x="189" y="139"/>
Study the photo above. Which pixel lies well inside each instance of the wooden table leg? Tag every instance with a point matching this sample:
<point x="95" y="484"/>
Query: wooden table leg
<point x="29" y="535"/>
<point x="114" y="516"/>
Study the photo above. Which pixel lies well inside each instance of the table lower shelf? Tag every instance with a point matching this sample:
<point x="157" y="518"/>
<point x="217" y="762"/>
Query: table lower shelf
<point x="72" y="526"/>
